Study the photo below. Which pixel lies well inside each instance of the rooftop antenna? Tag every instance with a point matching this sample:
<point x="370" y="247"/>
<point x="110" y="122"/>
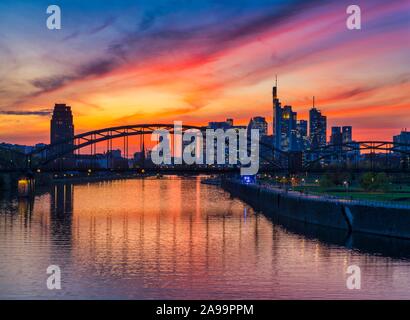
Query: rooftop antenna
<point x="313" y="101"/>
<point x="275" y="88"/>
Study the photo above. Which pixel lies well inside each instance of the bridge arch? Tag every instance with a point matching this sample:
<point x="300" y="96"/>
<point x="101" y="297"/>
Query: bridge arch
<point x="66" y="147"/>
<point x="332" y="150"/>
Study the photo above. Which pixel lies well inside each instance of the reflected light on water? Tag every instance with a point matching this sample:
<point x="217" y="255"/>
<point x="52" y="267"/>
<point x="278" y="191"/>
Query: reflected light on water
<point x="174" y="238"/>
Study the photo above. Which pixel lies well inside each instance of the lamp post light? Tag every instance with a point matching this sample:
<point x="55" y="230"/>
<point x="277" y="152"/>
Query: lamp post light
<point x="346" y="184"/>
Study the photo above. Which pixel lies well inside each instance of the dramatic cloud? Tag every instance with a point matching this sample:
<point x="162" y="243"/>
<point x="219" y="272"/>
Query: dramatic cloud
<point x="50" y="83"/>
<point x="93" y="69"/>
<point x="42" y="112"/>
<point x="76" y="34"/>
<point x="205" y="60"/>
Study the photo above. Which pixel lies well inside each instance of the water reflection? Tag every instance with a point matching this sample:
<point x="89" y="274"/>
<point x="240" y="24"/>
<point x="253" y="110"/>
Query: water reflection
<point x="366" y="243"/>
<point x="176" y="238"/>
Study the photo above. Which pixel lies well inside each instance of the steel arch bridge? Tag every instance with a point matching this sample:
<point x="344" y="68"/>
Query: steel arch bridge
<point x="317" y="155"/>
<point x="68" y="147"/>
<point x="271" y="158"/>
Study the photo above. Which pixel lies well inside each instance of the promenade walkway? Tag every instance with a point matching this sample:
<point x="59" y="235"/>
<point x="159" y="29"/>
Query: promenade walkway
<point x="329" y="198"/>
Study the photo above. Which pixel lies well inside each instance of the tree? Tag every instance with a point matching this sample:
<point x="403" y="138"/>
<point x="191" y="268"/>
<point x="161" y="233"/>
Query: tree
<point x="331" y="179"/>
<point x="326" y="182"/>
<point x="382" y="181"/>
<point x="374" y="182"/>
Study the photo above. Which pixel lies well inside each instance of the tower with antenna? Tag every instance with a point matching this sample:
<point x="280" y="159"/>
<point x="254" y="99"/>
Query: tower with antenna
<point x="284" y="123"/>
<point x="275" y="89"/>
<point x="277" y="115"/>
<point x="317" y="127"/>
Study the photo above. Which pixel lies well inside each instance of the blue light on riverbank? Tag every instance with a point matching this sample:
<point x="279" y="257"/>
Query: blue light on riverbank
<point x="248" y="179"/>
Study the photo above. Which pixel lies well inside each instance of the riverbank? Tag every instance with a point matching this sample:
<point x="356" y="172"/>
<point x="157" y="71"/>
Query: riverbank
<point x="213" y="181"/>
<point x="98" y="178"/>
<point x="397" y="196"/>
<point x="8" y="182"/>
<point x="380" y="218"/>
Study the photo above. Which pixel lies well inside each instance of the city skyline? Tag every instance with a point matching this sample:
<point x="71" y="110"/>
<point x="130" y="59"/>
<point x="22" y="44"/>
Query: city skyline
<point x="205" y="156"/>
<point x="163" y="62"/>
<point x="297" y="129"/>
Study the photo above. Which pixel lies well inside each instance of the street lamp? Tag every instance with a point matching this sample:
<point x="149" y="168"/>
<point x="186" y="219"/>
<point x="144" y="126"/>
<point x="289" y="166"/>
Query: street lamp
<point x="346" y="184"/>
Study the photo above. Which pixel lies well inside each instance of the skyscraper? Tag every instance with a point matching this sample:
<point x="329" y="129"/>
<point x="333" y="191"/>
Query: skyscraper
<point x="302" y="135"/>
<point x="402" y="141"/>
<point x="317" y="127"/>
<point x="302" y="128"/>
<point x="288" y="126"/>
<point x="277" y="115"/>
<point x="347" y="134"/>
<point x="260" y="124"/>
<point x="284" y="125"/>
<point x="61" y="125"/>
<point x="336" y="137"/>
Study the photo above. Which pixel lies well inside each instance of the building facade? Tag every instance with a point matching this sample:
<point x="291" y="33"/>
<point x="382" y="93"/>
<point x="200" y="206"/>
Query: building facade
<point x="260" y="124"/>
<point x="336" y="137"/>
<point x="284" y="125"/>
<point x="62" y="126"/>
<point x="302" y="135"/>
<point x="317" y="128"/>
<point x="347" y="134"/>
<point x="402" y="145"/>
<point x="402" y="138"/>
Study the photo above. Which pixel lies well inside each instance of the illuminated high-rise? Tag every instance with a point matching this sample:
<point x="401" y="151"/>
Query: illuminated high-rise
<point x="302" y="135"/>
<point x="260" y="124"/>
<point x="347" y="134"/>
<point x="317" y="127"/>
<point x="284" y="124"/>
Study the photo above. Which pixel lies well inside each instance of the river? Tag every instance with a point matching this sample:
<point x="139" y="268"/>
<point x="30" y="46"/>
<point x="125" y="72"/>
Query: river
<point x="175" y="238"/>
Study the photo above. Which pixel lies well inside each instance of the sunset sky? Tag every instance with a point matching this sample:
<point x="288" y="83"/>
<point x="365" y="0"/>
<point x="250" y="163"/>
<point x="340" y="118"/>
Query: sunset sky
<point x="155" y="61"/>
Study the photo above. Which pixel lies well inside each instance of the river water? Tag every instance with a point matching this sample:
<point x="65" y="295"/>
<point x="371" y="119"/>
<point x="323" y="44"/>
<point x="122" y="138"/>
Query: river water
<point x="175" y="238"/>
